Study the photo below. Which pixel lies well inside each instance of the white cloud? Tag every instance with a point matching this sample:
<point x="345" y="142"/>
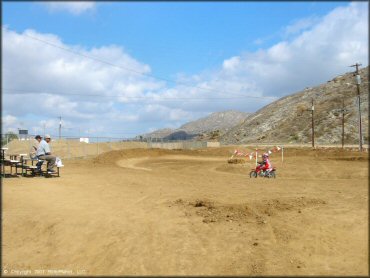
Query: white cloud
<point x="63" y="82"/>
<point x="322" y="50"/>
<point x="75" y="8"/>
<point x="9" y="123"/>
<point x="9" y="120"/>
<point x="316" y="51"/>
<point x="231" y="63"/>
<point x="301" y="25"/>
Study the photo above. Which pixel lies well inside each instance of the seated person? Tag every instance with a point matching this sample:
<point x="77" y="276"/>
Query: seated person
<point x="44" y="153"/>
<point x="33" y="152"/>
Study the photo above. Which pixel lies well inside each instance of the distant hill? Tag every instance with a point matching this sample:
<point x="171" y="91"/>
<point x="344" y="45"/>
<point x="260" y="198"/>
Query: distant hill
<point x="180" y="135"/>
<point x="160" y="133"/>
<point x="215" y="123"/>
<point x="224" y="121"/>
<point x="288" y="119"/>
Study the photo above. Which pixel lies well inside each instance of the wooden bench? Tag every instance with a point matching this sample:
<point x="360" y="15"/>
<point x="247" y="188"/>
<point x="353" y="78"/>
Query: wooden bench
<point x="20" y="161"/>
<point x="37" y="169"/>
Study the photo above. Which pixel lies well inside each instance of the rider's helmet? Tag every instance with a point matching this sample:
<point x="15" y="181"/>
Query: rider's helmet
<point x="265" y="155"/>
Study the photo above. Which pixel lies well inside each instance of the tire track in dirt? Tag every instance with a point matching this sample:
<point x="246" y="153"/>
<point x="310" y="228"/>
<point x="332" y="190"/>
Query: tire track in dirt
<point x="131" y="163"/>
<point x="116" y="221"/>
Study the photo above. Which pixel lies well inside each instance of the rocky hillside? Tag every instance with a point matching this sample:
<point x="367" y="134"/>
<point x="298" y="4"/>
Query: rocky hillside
<point x="160" y="133"/>
<point x="210" y="126"/>
<point x="289" y="118"/>
<point x="216" y="121"/>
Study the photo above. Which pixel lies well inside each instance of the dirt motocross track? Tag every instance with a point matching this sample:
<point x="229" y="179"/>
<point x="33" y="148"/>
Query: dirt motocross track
<point x="162" y="212"/>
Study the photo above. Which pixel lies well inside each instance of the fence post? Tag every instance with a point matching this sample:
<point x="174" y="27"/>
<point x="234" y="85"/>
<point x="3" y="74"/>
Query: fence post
<point x="256" y="156"/>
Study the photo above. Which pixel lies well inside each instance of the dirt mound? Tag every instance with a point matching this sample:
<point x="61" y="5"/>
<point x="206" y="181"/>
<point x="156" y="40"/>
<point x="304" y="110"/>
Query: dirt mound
<point x="236" y="161"/>
<point x="192" y="214"/>
<point x="203" y="203"/>
<point x="271" y="207"/>
<point x="212" y="211"/>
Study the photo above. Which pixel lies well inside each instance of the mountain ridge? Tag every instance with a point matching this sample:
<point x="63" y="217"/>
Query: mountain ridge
<point x="288" y="119"/>
<point x="217" y="121"/>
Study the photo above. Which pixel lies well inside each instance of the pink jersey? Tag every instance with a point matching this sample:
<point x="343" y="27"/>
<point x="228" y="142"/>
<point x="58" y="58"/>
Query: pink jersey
<point x="267" y="165"/>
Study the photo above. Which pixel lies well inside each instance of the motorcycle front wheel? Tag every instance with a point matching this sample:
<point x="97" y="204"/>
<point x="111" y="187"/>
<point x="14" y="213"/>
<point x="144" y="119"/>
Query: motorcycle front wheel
<point x="253" y="174"/>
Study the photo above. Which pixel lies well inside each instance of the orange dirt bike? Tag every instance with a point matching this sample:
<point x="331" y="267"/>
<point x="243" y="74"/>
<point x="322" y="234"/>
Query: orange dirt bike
<point x="258" y="172"/>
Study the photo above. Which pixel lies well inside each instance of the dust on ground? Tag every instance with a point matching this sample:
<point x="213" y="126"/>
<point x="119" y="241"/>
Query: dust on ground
<point x="184" y="212"/>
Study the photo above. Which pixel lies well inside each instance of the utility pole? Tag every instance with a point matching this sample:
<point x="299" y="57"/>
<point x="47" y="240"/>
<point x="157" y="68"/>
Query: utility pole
<point x="313" y="125"/>
<point x="60" y="127"/>
<point x="358" y="82"/>
<point x="343" y="111"/>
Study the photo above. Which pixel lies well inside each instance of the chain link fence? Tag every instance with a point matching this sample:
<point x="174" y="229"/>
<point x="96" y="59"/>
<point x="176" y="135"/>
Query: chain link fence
<point x="68" y="147"/>
<point x="76" y="147"/>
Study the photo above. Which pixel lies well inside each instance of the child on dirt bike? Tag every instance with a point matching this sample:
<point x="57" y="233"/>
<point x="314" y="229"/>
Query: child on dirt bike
<point x="265" y="165"/>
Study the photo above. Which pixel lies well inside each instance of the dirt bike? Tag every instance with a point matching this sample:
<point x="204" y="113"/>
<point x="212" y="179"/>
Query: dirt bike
<point x="258" y="172"/>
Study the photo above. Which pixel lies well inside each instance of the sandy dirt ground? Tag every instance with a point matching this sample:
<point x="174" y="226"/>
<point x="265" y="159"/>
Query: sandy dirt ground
<point x="162" y="212"/>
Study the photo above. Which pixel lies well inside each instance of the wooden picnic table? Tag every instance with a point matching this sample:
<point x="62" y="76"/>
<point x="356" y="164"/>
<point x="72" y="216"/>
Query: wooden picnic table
<point x="3" y="161"/>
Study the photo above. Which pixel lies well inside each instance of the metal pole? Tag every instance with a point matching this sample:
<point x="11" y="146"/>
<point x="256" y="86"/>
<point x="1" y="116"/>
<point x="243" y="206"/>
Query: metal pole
<point x="359" y="119"/>
<point x="313" y="126"/>
<point x="60" y="127"/>
<point x="358" y="82"/>
<point x="256" y="156"/>
<point x="343" y="123"/>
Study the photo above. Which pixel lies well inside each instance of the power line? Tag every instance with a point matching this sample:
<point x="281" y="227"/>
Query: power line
<point x="28" y="92"/>
<point x="119" y="66"/>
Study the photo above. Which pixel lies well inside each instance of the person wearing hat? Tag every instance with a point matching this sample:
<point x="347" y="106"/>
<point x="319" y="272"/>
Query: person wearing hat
<point x="33" y="151"/>
<point x="44" y="153"/>
<point x="35" y="146"/>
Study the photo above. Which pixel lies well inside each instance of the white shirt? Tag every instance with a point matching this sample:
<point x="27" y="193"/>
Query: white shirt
<point x="43" y="148"/>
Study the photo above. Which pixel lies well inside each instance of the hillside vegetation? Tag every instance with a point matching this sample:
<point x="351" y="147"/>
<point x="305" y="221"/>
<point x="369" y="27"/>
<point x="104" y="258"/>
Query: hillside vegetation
<point x="211" y="126"/>
<point x="289" y="118"/>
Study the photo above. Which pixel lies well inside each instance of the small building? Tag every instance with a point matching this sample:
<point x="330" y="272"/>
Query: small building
<point x="23" y="134"/>
<point x="85" y="140"/>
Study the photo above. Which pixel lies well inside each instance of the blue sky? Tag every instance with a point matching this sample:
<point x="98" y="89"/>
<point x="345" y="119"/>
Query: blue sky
<point x="171" y="37"/>
<point x="220" y="50"/>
